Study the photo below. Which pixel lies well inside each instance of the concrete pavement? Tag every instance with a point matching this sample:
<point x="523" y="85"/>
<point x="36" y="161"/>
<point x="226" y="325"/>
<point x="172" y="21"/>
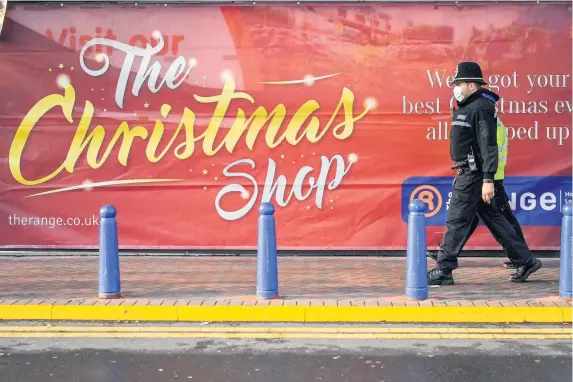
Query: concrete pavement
<point x="312" y="289"/>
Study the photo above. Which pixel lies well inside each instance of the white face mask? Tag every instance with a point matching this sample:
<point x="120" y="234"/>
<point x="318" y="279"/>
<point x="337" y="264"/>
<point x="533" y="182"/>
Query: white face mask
<point x="458" y="94"/>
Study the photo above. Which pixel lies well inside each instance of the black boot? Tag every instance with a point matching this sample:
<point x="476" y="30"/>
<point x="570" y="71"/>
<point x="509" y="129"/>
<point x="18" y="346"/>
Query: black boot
<point x="437" y="277"/>
<point x="523" y="272"/>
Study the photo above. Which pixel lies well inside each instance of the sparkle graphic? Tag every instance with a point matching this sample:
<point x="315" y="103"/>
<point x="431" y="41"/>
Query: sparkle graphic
<point x="370" y="103"/>
<point x="110" y="183"/>
<point x="216" y="178"/>
<point x="49" y="69"/>
<point x="282" y="156"/>
<point x="146" y="105"/>
<point x="205" y="172"/>
<point x="353" y="158"/>
<point x="226" y="75"/>
<point x="63" y="81"/>
<point x="87" y="185"/>
<point x="309" y="80"/>
<point x="61" y="66"/>
<point x="72" y="68"/>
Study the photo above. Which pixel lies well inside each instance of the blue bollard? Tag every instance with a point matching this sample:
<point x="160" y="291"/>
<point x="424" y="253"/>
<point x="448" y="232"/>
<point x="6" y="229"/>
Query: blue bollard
<point x="565" y="279"/>
<point x="267" y="272"/>
<point x="416" y="262"/>
<point x="109" y="283"/>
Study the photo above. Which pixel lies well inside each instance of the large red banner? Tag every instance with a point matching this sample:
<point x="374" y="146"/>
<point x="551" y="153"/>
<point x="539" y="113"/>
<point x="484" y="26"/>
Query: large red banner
<point x="187" y="117"/>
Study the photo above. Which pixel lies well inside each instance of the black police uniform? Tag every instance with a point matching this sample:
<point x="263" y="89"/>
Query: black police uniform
<point x="473" y="148"/>
<point x="500" y="202"/>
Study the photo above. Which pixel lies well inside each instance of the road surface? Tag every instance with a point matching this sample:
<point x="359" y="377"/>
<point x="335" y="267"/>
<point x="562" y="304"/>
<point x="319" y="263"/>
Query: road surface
<point x="150" y="353"/>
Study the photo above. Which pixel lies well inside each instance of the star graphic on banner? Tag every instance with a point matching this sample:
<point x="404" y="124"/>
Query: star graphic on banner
<point x="72" y="68"/>
<point x="216" y="178"/>
<point x="204" y="187"/>
<point x="61" y="66"/>
<point x="146" y="105"/>
<point x="282" y="156"/>
<point x="49" y="69"/>
<point x="205" y="172"/>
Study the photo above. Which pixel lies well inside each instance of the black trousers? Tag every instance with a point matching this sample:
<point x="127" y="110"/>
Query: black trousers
<point x="501" y="203"/>
<point x="465" y="210"/>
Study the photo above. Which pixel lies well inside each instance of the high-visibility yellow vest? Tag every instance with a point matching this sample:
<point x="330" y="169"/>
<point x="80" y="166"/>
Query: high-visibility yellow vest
<point x="502" y="149"/>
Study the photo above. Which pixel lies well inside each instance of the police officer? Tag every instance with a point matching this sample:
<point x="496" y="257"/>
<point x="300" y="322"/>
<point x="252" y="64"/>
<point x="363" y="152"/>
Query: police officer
<point x="474" y="149"/>
<point x="500" y="199"/>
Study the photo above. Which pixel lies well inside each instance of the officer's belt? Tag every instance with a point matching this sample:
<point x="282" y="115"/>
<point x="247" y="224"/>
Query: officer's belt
<point x="460" y="164"/>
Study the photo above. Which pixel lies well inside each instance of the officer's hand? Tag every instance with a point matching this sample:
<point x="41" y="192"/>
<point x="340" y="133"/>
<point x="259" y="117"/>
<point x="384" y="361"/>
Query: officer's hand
<point x="487" y="192"/>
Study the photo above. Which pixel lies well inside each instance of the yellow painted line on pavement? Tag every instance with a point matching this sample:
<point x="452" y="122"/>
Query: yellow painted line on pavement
<point x="327" y="330"/>
<point x="286" y="335"/>
<point x="308" y="314"/>
<point x="439" y="314"/>
<point x="114" y="313"/>
<point x="25" y="312"/>
<point x="243" y="313"/>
